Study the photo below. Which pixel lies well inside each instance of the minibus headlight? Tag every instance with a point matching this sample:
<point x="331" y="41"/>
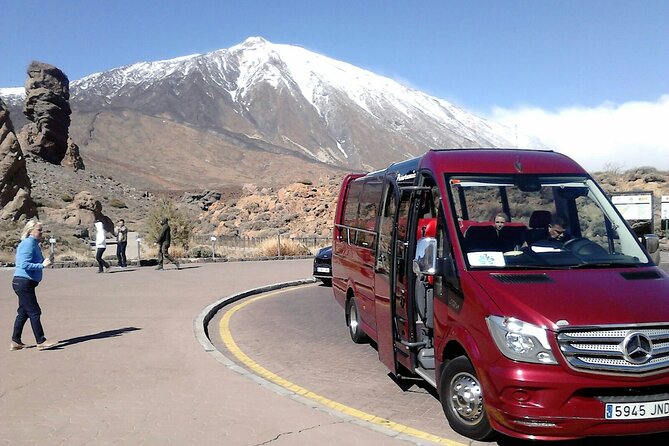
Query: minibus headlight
<point x="520" y="341"/>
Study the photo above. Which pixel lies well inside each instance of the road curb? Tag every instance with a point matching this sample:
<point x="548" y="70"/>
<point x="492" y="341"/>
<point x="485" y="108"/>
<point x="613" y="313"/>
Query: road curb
<point x="202" y="320"/>
<point x="201" y="323"/>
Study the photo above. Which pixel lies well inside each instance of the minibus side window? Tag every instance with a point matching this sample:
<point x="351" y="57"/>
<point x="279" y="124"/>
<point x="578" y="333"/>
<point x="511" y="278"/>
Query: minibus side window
<point x="384" y="259"/>
<point x="351" y="209"/>
<point x="368" y="213"/>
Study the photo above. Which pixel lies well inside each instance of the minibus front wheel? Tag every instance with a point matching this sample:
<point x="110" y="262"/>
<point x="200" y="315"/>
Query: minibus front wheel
<point x="462" y="400"/>
<point x="353" y="321"/>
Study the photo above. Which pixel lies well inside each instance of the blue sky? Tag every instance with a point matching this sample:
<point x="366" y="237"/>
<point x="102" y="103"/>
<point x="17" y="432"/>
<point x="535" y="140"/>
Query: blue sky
<point x="513" y="61"/>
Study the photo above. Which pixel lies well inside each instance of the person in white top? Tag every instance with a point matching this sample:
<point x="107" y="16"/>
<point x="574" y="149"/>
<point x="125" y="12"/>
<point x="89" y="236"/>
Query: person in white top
<point x="101" y="245"/>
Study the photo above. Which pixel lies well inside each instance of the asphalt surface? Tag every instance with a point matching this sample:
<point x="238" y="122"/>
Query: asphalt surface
<point x="304" y="341"/>
<point x="131" y="369"/>
<point x="131" y="372"/>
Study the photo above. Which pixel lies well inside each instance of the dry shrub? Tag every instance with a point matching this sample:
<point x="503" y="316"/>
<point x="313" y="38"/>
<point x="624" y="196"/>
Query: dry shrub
<point x="70" y="255"/>
<point x="178" y="252"/>
<point x="7" y="257"/>
<point x="180" y="220"/>
<point x="269" y="248"/>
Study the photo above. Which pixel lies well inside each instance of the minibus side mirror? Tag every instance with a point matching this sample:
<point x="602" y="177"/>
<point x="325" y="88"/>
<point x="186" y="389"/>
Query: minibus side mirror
<point x="425" y="262"/>
<point x="651" y="242"/>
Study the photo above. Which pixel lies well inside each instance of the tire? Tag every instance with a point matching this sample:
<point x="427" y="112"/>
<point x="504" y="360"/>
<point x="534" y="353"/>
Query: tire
<point x="353" y="322"/>
<point x="462" y="400"/>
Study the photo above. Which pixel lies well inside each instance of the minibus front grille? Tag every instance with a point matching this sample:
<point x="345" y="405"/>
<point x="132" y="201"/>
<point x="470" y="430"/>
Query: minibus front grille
<point x="625" y="350"/>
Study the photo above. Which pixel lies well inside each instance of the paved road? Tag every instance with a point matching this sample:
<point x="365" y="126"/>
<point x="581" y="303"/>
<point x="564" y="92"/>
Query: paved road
<point x="131" y="371"/>
<point x="304" y="340"/>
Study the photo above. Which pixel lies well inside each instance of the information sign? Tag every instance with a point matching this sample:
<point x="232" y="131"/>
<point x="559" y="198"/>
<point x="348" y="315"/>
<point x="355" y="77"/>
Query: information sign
<point x="634" y="206"/>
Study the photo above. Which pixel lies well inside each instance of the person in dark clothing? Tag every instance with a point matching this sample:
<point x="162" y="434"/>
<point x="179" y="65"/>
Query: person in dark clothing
<point x="557" y="234"/>
<point x="164" y="240"/>
<point x="121" y="233"/>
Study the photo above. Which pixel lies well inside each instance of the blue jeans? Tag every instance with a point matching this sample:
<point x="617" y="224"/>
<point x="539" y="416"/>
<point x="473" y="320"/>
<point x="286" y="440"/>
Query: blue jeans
<point x="120" y="253"/>
<point x="28" y="309"/>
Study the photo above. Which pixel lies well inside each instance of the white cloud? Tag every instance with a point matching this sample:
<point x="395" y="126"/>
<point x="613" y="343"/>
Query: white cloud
<point x="627" y="135"/>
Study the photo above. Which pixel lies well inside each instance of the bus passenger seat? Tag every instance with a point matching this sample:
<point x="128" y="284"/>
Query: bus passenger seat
<point x="539" y="221"/>
<point x="512" y="237"/>
<point x="427" y="227"/>
<point x="482" y="238"/>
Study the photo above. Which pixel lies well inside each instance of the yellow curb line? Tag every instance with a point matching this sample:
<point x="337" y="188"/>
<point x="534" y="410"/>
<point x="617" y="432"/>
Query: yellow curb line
<point x="226" y="336"/>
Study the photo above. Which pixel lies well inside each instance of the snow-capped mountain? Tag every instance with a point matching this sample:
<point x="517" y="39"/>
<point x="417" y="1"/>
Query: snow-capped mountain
<point x="13" y="97"/>
<point x="270" y="98"/>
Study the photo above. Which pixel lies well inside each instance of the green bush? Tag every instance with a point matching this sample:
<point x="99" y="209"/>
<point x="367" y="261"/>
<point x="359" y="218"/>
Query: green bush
<point x="199" y="252"/>
<point x="66" y="197"/>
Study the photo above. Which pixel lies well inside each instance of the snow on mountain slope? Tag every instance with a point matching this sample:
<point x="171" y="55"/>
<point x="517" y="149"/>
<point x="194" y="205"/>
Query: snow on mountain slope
<point x="13" y="96"/>
<point x="286" y="99"/>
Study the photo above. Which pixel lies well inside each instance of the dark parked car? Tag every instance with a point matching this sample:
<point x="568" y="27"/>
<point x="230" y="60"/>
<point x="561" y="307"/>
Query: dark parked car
<point x="323" y="265"/>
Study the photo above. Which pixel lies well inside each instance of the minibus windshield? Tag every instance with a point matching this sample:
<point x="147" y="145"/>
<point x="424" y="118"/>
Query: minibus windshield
<point x="535" y="221"/>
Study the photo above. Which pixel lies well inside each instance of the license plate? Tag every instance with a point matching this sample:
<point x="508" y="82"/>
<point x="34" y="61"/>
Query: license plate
<point x="322" y="269"/>
<point x="637" y="411"/>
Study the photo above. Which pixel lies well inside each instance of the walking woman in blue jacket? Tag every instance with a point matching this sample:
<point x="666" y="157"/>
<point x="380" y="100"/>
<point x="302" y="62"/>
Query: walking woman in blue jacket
<point x="28" y="273"/>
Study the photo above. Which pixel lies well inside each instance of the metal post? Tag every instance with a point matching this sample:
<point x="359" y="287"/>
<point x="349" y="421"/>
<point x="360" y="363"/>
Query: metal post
<point x="213" y="248"/>
<point x="139" y="257"/>
<point x="52" y="250"/>
<point x="278" y="245"/>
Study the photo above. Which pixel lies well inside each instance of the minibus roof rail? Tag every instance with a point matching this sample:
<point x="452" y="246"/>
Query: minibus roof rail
<point x="446" y="149"/>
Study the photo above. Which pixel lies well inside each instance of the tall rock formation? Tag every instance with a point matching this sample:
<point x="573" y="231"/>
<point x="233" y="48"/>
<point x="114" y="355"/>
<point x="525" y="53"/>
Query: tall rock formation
<point x="47" y="108"/>
<point x="72" y="157"/>
<point x="15" y="200"/>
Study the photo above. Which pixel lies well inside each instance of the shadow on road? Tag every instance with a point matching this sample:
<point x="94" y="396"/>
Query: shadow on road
<point x="653" y="439"/>
<point x="101" y="335"/>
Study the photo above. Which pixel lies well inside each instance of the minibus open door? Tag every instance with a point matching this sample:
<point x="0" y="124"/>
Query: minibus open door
<point x="390" y="282"/>
<point x="403" y="311"/>
<point x="384" y="271"/>
<point x="398" y="330"/>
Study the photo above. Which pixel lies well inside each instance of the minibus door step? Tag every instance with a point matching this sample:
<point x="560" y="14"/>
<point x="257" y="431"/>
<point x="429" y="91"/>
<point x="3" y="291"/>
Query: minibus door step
<point x="427" y="375"/>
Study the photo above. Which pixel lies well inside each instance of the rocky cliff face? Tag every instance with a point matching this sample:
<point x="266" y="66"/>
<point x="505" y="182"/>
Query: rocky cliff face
<point x="297" y="210"/>
<point x="47" y="108"/>
<point x="15" y="201"/>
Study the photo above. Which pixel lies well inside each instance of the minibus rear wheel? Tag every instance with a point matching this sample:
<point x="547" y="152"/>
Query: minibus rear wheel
<point x="462" y="400"/>
<point x="353" y="321"/>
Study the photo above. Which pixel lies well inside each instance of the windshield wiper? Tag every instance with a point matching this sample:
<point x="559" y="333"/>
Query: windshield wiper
<point x="606" y="265"/>
<point x="533" y="267"/>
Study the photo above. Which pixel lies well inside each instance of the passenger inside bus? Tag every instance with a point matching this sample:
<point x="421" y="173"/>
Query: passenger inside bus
<point x="423" y="287"/>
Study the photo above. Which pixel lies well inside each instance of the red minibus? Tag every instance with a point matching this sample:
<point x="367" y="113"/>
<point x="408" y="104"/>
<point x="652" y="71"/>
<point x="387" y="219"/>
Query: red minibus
<point x="553" y="324"/>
